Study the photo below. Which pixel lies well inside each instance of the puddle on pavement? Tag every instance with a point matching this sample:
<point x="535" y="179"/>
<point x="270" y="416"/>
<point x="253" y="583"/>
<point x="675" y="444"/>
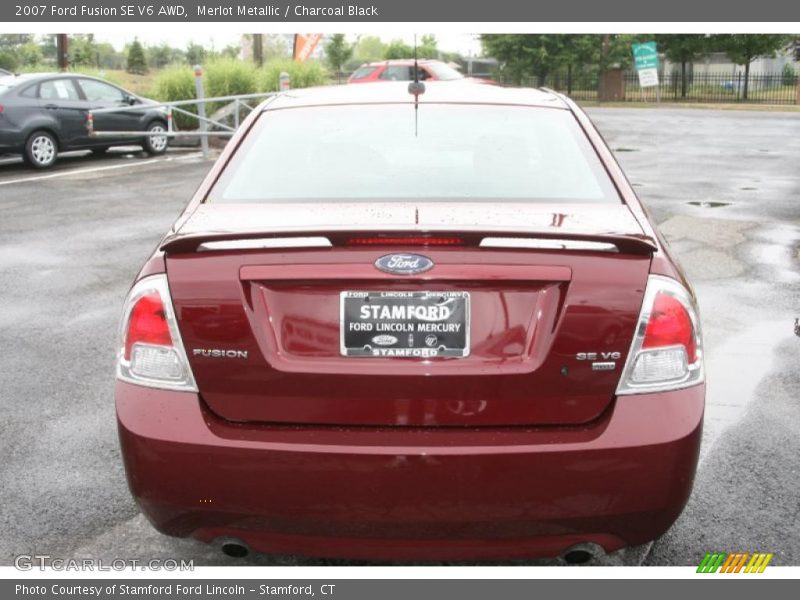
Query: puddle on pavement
<point x="704" y="204"/>
<point x="733" y="371"/>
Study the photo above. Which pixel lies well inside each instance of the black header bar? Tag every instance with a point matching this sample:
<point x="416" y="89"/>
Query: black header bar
<point x="419" y="11"/>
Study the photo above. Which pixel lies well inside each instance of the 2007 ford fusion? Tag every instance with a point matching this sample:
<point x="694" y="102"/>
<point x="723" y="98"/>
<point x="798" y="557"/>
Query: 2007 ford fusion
<point x="409" y="324"/>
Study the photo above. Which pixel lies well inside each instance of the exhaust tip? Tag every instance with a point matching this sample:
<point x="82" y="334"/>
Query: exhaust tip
<point x="582" y="554"/>
<point x="234" y="548"/>
<point x="577" y="557"/>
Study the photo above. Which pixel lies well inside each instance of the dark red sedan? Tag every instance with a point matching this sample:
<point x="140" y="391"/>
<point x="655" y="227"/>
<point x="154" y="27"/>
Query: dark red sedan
<point x="388" y="331"/>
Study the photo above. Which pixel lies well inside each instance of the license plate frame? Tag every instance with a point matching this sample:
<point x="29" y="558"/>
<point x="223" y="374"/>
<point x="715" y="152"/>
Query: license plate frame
<point x="416" y="330"/>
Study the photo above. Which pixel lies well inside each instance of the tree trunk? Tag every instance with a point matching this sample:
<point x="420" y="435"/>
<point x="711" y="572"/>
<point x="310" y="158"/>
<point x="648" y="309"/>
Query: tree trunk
<point x="746" y="79"/>
<point x="684" y="83"/>
<point x="569" y="79"/>
<point x="258" y="49"/>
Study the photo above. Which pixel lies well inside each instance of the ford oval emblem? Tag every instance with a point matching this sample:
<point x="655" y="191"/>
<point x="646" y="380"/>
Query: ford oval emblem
<point x="404" y="264"/>
<point x="384" y="340"/>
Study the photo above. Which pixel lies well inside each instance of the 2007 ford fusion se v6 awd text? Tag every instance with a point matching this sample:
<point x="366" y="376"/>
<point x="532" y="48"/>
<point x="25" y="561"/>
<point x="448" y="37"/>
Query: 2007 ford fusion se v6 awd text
<point x="401" y="323"/>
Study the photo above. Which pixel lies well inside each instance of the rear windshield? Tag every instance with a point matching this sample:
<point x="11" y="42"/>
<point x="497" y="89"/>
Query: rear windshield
<point x="372" y="152"/>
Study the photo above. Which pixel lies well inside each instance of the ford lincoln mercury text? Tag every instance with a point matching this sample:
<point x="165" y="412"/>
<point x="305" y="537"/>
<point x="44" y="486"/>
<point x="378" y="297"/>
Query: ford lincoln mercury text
<point x="412" y="322"/>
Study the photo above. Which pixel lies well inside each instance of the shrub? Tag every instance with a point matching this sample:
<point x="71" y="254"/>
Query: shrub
<point x="230" y="77"/>
<point x="307" y="74"/>
<point x="8" y="60"/>
<point x="177" y="83"/>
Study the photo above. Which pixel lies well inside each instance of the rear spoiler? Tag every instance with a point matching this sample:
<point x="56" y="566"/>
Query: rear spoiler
<point x="177" y="243"/>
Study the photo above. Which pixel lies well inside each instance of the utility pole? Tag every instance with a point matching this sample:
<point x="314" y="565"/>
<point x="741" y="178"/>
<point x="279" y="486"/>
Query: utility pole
<point x="62" y="51"/>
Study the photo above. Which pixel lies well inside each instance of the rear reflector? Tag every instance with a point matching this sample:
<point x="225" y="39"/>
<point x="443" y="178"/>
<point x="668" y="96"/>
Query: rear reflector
<point x="666" y="352"/>
<point x="405" y="241"/>
<point x="151" y="352"/>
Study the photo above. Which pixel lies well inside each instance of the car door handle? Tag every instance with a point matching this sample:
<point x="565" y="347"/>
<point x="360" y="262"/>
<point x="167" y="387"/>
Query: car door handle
<point x="50" y="106"/>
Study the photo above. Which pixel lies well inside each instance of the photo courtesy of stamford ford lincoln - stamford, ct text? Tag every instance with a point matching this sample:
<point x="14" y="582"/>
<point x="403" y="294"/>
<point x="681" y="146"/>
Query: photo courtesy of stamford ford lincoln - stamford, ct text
<point x="399" y="299"/>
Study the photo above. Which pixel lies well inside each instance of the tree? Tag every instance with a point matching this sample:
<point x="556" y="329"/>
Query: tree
<point x="683" y="48"/>
<point x="398" y="49"/>
<point x="368" y="49"/>
<point x="427" y="47"/>
<point x="275" y="46"/>
<point x="338" y="52"/>
<point x="231" y="51"/>
<point x="744" y="48"/>
<point x="82" y="50"/>
<point x="522" y="55"/>
<point x="162" y="55"/>
<point x="578" y="52"/>
<point x="195" y="54"/>
<point x="107" y="56"/>
<point x="30" y="54"/>
<point x="137" y="63"/>
<point x="12" y="41"/>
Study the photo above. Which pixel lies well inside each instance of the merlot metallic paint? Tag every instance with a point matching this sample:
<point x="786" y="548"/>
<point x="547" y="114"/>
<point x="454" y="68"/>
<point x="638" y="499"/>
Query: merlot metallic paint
<point x="517" y="450"/>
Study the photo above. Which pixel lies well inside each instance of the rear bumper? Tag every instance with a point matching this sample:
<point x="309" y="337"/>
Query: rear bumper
<point x="407" y="494"/>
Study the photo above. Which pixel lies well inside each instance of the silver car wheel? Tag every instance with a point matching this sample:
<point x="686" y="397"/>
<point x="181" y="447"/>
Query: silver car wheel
<point x="157" y="142"/>
<point x="43" y="149"/>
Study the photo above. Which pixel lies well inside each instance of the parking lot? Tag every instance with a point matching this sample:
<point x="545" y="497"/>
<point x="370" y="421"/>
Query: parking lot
<point x="723" y="185"/>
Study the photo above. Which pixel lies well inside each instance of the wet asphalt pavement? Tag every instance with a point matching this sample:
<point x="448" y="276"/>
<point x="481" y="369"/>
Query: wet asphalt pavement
<point x="72" y="239"/>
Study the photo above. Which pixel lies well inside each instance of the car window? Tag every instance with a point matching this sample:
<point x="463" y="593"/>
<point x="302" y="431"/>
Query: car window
<point x="444" y="72"/>
<point x="396" y="73"/>
<point x="29" y="92"/>
<point x="459" y="152"/>
<point x="58" y="89"/>
<point x="363" y="72"/>
<point x="97" y="91"/>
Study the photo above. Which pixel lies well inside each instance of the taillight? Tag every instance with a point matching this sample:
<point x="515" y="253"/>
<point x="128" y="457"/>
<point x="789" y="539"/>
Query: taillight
<point x="667" y="349"/>
<point x="151" y="352"/>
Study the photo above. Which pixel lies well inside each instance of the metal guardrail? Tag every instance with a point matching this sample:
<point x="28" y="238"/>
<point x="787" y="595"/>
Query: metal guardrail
<point x="205" y="124"/>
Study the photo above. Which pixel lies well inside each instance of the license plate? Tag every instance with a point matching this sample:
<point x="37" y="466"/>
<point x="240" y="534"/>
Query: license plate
<point x="404" y="324"/>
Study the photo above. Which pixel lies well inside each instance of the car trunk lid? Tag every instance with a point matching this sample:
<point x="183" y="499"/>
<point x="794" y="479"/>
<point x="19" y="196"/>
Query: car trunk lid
<point x="262" y="325"/>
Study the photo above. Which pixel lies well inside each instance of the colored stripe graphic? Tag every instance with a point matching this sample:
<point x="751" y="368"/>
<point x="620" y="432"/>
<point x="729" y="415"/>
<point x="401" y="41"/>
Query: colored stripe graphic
<point x="735" y="562"/>
<point x="711" y="562"/>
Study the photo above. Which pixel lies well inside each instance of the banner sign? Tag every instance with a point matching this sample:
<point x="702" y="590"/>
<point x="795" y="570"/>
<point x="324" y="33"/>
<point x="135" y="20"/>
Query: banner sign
<point x="305" y="44"/>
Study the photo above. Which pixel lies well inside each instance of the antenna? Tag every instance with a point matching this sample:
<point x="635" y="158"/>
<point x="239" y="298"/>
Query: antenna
<point x="416" y="87"/>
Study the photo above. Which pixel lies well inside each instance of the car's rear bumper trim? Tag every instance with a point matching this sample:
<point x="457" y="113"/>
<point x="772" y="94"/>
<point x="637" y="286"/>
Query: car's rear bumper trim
<point x="395" y="493"/>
